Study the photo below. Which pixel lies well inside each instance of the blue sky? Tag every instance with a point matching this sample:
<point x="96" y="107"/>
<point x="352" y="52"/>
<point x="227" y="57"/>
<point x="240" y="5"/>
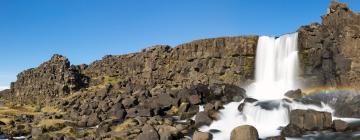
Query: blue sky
<point x="86" y="30"/>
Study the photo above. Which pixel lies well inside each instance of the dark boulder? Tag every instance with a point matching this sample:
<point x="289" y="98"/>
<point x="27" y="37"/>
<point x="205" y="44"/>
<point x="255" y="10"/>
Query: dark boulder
<point x="292" y="130"/>
<point x="202" y="118"/>
<point x="234" y="93"/>
<point x="294" y="94"/>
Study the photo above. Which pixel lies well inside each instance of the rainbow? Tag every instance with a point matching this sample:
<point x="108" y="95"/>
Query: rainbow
<point x="330" y="90"/>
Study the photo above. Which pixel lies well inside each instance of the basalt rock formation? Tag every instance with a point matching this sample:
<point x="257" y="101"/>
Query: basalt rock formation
<point x="50" y="80"/>
<point x="329" y="51"/>
<point x="136" y="96"/>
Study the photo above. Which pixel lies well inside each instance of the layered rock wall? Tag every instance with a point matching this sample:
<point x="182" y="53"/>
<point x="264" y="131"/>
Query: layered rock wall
<point x="219" y="60"/>
<point x="329" y="51"/>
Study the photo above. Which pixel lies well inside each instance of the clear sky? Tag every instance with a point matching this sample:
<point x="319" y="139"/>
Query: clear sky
<point x="85" y="30"/>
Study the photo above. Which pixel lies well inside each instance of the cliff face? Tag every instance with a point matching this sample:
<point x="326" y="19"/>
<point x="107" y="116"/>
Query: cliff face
<point x="329" y="51"/>
<point x="220" y="60"/>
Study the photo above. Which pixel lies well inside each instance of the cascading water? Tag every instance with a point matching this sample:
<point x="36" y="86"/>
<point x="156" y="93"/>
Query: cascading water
<point x="276" y="69"/>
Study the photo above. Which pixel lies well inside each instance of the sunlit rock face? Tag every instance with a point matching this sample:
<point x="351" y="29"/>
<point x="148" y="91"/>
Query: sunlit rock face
<point x="329" y="51"/>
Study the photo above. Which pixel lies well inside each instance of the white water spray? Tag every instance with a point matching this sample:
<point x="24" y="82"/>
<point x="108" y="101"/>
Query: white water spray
<point x="276" y="72"/>
<point x="276" y="67"/>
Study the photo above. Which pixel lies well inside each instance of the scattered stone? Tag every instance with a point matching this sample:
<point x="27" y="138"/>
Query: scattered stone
<point x="148" y="133"/>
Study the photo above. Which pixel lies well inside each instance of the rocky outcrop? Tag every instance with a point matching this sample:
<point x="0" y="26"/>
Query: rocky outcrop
<point x="219" y="60"/>
<point x="53" y="78"/>
<point x="306" y="120"/>
<point x="329" y="51"/>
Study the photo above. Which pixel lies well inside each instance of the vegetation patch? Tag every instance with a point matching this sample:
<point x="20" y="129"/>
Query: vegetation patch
<point x="125" y="125"/>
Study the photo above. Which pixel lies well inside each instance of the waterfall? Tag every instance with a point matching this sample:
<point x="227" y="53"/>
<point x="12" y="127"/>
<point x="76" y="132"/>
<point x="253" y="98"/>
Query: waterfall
<point x="275" y="74"/>
<point x="276" y="67"/>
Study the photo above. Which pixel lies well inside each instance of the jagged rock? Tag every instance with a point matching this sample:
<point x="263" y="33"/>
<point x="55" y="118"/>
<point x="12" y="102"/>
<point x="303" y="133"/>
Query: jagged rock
<point x="201" y="136"/>
<point x="55" y="77"/>
<point x="339" y="125"/>
<point x="327" y="51"/>
<point x="244" y="132"/>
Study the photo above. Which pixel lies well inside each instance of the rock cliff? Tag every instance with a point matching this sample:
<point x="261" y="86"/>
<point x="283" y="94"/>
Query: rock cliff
<point x="330" y="51"/>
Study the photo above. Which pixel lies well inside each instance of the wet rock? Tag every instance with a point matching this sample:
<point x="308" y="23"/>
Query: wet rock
<point x="250" y="100"/>
<point x="241" y="107"/>
<point x="292" y="130"/>
<point x="148" y="133"/>
<point x="201" y="136"/>
<point x="310" y="119"/>
<point x="202" y="118"/>
<point x="244" y="132"/>
<point x="294" y="94"/>
<point x="234" y="93"/>
<point x="268" y="105"/>
<point x="339" y="125"/>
